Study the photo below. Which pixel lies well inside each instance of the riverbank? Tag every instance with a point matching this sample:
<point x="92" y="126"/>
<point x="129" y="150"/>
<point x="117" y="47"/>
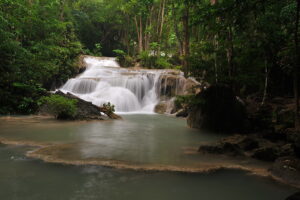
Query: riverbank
<point x="87" y="143"/>
<point x="266" y="134"/>
<point x="30" y="179"/>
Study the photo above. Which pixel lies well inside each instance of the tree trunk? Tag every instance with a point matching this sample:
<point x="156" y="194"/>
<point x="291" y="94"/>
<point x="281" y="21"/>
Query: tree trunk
<point x="127" y="39"/>
<point x="178" y="35"/>
<point x="216" y="47"/>
<point x="213" y="2"/>
<point x="296" y="89"/>
<point x="186" y="41"/>
<point x="62" y="5"/>
<point x="139" y="35"/>
<point x="161" y="25"/>
<point x="148" y="24"/>
<point x="266" y="82"/>
<point x="230" y="53"/>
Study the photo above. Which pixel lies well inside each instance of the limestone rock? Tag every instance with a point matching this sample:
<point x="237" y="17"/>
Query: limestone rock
<point x="87" y="110"/>
<point x="160" y="108"/>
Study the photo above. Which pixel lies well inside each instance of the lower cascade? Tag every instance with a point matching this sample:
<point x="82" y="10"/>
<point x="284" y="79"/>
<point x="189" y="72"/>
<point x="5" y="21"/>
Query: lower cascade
<point x="130" y="90"/>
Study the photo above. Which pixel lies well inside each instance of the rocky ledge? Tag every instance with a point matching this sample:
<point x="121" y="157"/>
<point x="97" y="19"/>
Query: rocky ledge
<point x="85" y="110"/>
<point x="282" y="149"/>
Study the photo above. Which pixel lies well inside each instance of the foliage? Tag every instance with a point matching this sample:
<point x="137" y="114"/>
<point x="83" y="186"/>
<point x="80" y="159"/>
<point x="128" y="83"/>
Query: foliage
<point x="38" y="48"/>
<point x="187" y="100"/>
<point x="59" y="106"/>
<point x="153" y="61"/>
<point x="124" y="59"/>
<point x="241" y="43"/>
<point x="109" y="107"/>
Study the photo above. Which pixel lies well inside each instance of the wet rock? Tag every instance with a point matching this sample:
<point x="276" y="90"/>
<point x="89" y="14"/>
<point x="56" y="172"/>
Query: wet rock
<point x="232" y="149"/>
<point x="287" y="169"/>
<point x="81" y="64"/>
<point x="248" y="143"/>
<point x="193" y="87"/>
<point x="222" y="148"/>
<point x="182" y="113"/>
<point x="171" y="85"/>
<point x="217" y="109"/>
<point x="227" y="146"/>
<point x="87" y="110"/>
<point x="270" y="153"/>
<point x="175" y="84"/>
<point x="161" y="108"/>
<point x="287" y="150"/>
<point x="295" y="196"/>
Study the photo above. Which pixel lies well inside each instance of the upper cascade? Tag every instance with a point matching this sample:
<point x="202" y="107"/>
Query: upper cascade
<point x="130" y="90"/>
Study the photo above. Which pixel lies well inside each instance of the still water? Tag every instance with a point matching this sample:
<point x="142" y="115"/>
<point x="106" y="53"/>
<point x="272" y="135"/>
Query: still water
<point x="138" y="140"/>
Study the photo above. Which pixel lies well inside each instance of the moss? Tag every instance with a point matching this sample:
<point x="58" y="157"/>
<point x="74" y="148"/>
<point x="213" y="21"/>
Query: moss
<point x="60" y="107"/>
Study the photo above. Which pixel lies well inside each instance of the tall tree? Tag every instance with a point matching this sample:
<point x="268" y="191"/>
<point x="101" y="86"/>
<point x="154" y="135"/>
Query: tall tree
<point x="296" y="67"/>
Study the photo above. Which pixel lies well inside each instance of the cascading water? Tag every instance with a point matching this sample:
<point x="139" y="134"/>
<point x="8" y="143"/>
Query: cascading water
<point x="105" y="81"/>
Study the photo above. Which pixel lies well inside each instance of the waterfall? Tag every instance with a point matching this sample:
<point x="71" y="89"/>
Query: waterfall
<point x="128" y="89"/>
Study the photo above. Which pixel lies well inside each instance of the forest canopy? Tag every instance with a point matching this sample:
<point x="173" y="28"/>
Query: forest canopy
<point x="251" y="45"/>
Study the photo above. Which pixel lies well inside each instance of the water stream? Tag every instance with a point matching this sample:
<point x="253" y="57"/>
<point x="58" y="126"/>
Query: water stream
<point x="154" y="141"/>
<point x="128" y="89"/>
<point x="140" y="157"/>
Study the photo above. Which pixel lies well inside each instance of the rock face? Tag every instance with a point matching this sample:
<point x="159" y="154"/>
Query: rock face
<point x="217" y="109"/>
<point x="171" y="84"/>
<point x="87" y="110"/>
<point x="160" y="108"/>
<point x="175" y="84"/>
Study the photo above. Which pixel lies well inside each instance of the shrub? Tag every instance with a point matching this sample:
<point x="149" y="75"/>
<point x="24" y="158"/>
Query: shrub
<point x="123" y="59"/>
<point x="109" y="107"/>
<point x="187" y="100"/>
<point x="153" y="61"/>
<point x="162" y="63"/>
<point x="60" y="107"/>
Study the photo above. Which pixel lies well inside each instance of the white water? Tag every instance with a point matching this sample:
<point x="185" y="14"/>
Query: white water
<point x="134" y="91"/>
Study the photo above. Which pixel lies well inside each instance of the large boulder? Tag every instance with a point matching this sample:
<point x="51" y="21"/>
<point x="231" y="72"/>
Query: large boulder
<point x="84" y="110"/>
<point x="172" y="84"/>
<point x="160" y="108"/>
<point x="217" y="109"/>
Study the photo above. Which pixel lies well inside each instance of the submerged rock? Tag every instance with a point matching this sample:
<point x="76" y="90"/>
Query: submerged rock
<point x="233" y="145"/>
<point x="217" y="109"/>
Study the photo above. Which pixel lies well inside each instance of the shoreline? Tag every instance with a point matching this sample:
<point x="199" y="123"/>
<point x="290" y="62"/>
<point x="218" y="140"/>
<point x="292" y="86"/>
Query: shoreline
<point x="40" y="153"/>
